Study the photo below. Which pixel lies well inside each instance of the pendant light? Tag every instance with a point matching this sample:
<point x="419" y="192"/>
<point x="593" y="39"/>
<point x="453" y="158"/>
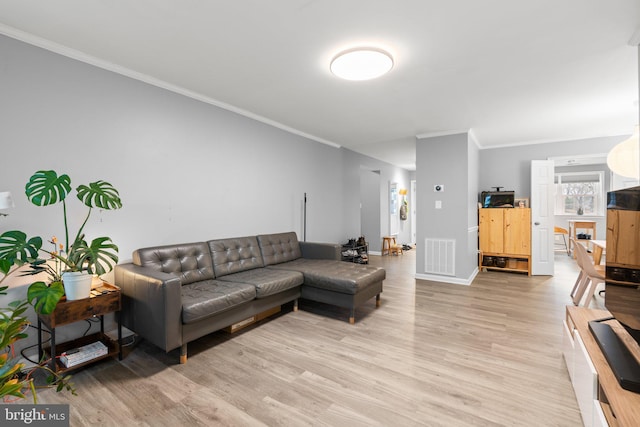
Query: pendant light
<point x="623" y="158"/>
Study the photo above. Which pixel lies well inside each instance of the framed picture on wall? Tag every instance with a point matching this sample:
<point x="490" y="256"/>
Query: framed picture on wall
<point x="521" y="203"/>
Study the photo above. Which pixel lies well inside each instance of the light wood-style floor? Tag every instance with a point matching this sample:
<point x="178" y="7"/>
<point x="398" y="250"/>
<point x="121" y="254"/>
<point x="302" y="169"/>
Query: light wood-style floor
<point x="433" y="354"/>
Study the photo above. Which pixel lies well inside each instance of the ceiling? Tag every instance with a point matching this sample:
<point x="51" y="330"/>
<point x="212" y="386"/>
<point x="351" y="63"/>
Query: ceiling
<point x="512" y="72"/>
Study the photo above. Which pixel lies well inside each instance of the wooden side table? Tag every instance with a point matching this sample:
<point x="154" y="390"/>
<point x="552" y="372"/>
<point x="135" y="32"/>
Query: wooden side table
<point x="67" y="312"/>
<point x="575" y="225"/>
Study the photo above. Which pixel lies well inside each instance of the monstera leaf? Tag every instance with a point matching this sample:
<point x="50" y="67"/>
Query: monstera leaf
<point x="46" y="297"/>
<point x="16" y="249"/>
<point x="99" y="194"/>
<point x="47" y="188"/>
<point x="5" y="267"/>
<point x="99" y="257"/>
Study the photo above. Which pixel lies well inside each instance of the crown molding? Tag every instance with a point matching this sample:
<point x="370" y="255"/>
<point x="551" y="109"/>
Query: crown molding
<point x="145" y="78"/>
<point x="443" y="133"/>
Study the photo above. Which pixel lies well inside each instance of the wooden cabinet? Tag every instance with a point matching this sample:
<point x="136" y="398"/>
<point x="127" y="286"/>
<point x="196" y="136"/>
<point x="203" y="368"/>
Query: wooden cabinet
<point x="623" y="238"/>
<point x="505" y="235"/>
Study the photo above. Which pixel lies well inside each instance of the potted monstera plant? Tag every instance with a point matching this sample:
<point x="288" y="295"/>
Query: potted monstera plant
<point x="77" y="257"/>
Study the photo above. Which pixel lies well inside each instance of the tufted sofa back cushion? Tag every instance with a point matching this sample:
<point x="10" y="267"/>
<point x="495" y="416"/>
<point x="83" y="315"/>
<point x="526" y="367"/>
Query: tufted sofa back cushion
<point x="235" y="255"/>
<point x="191" y="261"/>
<point x="279" y="248"/>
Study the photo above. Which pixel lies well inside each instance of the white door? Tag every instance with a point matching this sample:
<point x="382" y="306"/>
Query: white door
<point x="542" y="219"/>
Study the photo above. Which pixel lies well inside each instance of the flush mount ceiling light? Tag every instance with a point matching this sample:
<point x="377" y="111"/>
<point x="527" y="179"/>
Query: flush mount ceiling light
<point x="362" y="63"/>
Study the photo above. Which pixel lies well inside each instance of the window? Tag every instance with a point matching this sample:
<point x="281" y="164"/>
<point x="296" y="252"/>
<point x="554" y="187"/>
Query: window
<point x="579" y="193"/>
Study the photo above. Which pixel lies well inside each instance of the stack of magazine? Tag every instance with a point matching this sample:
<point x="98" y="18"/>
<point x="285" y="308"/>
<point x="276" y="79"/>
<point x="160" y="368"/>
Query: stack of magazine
<point x="83" y="354"/>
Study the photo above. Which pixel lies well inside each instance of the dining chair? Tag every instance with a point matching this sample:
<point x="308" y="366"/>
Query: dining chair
<point x="581" y="281"/>
<point x="592" y="276"/>
<point x="564" y="233"/>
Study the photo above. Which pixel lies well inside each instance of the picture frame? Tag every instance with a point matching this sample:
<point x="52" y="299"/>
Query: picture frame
<point x="521" y="203"/>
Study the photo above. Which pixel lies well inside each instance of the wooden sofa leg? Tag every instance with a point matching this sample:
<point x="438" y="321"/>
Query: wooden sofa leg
<point x="377" y="300"/>
<point x="295" y="305"/>
<point x="352" y="316"/>
<point x="183" y="354"/>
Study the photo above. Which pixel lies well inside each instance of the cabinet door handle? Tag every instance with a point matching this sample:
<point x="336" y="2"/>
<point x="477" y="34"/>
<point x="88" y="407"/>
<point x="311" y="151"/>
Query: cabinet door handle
<point x="536" y="223"/>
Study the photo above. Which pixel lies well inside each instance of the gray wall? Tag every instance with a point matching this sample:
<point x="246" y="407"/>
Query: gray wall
<point x="186" y="170"/>
<point x="510" y="167"/>
<point x="451" y="161"/>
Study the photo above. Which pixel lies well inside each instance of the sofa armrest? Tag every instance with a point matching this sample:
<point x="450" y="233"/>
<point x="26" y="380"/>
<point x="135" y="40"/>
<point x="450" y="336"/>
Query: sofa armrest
<point x="313" y="250"/>
<point x="151" y="304"/>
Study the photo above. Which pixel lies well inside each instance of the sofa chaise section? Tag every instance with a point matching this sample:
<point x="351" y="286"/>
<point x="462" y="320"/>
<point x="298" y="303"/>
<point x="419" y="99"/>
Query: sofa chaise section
<point x="325" y="280"/>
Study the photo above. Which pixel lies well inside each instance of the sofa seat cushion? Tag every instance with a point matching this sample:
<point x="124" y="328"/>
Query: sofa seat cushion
<point x="208" y="297"/>
<point x="337" y="276"/>
<point x="267" y="281"/>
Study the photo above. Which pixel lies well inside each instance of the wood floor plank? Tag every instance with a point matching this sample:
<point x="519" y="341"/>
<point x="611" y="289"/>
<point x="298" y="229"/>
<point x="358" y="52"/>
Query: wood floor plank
<point x="433" y="354"/>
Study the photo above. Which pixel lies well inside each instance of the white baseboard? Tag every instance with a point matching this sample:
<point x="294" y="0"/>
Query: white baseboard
<point x="449" y="279"/>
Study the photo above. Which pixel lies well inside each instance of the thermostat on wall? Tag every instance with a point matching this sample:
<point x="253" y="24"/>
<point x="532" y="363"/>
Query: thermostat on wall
<point x="438" y="188"/>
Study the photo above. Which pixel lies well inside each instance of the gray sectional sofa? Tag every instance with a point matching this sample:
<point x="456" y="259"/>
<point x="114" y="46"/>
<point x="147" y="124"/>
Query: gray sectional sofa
<point x="174" y="294"/>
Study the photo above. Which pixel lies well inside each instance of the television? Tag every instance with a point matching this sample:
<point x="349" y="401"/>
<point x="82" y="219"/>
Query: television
<point x="497" y="199"/>
<point x="622" y="285"/>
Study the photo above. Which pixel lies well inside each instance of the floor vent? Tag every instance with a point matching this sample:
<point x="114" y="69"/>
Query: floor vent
<point x="440" y="256"/>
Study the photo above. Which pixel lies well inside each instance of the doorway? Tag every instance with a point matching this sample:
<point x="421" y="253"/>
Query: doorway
<point x="370" y="209"/>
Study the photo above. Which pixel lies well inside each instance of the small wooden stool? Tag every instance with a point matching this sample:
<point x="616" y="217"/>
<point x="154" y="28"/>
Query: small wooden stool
<point x="390" y="246"/>
<point x="395" y="249"/>
<point x="386" y="244"/>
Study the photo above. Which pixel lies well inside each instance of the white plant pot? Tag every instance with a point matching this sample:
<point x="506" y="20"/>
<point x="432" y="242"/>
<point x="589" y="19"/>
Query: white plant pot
<point x="77" y="284"/>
